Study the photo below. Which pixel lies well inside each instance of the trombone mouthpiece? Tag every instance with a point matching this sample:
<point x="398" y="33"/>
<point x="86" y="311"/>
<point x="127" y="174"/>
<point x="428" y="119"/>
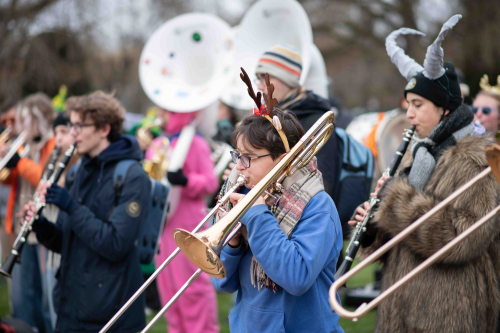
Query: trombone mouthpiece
<point x="241" y="180"/>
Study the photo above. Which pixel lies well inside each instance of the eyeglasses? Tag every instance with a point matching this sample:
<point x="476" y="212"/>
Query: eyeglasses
<point x="486" y="110"/>
<point x="78" y="126"/>
<point x="245" y="160"/>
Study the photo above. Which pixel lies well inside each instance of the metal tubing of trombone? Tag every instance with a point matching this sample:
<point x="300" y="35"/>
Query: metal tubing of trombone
<point x="186" y="285"/>
<point x="365" y="308"/>
<point x="172" y="301"/>
<point x="240" y="182"/>
<point x="153" y="276"/>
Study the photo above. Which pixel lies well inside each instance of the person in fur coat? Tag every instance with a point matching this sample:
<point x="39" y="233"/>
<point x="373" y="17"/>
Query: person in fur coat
<point x="459" y="293"/>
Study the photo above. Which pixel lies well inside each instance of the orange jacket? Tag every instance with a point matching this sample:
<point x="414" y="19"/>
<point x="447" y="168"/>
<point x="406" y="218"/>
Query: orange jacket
<point x="29" y="170"/>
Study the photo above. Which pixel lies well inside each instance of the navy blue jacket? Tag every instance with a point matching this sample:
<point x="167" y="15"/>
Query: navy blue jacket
<point x="100" y="266"/>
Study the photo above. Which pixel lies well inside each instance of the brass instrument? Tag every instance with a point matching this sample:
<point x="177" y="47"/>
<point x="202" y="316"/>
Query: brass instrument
<point x="200" y="247"/>
<point x="220" y="204"/>
<point x="203" y="249"/>
<point x="4" y="136"/>
<point x="14" y="147"/>
<point x="156" y="168"/>
<point x="493" y="157"/>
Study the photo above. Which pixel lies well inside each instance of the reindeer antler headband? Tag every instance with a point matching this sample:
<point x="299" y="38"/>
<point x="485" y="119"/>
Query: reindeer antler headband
<point x="271" y="102"/>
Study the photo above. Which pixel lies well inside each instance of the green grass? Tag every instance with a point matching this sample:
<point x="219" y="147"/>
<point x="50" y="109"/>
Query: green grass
<point x="365" y="324"/>
<point x="4" y="298"/>
<point x="224" y="300"/>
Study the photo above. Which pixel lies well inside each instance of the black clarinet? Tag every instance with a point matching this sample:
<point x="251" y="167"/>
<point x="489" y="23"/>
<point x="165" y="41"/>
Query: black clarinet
<point x="51" y="165"/>
<point x="15" y="253"/>
<point x="361" y="227"/>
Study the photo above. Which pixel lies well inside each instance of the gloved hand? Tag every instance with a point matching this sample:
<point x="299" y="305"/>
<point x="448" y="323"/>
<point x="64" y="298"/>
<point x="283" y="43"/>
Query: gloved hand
<point x="177" y="178"/>
<point x="61" y="198"/>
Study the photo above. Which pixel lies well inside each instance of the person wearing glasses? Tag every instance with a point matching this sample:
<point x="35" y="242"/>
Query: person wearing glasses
<point x="96" y="231"/>
<point x="282" y="263"/>
<point x="486" y="107"/>
<point x="196" y="310"/>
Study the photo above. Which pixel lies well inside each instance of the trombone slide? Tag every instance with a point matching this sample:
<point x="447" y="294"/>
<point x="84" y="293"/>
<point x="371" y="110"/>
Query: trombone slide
<point x="365" y="308"/>
<point x="241" y="181"/>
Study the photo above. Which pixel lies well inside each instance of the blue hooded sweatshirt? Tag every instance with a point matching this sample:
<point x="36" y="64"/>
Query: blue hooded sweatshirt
<point x="302" y="266"/>
<point x="100" y="267"/>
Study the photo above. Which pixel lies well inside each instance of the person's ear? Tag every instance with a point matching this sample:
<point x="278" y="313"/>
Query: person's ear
<point x="105" y="130"/>
<point x="447" y="112"/>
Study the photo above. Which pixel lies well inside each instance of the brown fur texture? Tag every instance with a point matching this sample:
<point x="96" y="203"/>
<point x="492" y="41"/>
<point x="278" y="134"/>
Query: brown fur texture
<point x="460" y="292"/>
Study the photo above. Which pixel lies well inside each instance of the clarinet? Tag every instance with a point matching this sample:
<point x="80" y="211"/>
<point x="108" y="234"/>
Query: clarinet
<point x="51" y="165"/>
<point x="361" y="226"/>
<point x="15" y="253"/>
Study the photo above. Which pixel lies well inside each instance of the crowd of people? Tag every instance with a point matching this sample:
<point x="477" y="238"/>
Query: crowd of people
<point x="81" y="263"/>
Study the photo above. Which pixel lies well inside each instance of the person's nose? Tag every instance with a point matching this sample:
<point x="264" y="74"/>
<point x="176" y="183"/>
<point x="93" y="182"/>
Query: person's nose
<point x="409" y="113"/>
<point x="72" y="132"/>
<point x="240" y="166"/>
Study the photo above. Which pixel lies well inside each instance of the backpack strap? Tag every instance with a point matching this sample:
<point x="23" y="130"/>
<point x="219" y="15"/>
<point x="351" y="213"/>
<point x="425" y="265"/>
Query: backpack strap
<point x="70" y="178"/>
<point x="121" y="171"/>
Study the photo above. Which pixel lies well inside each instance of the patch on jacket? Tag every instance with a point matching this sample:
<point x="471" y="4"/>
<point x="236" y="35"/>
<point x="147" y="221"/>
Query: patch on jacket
<point x="133" y="208"/>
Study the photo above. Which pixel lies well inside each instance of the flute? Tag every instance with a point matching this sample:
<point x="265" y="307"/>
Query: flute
<point x="15" y="253"/>
<point x="361" y="226"/>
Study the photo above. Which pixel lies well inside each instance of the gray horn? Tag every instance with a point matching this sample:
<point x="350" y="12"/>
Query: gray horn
<point x="406" y="65"/>
<point x="433" y="62"/>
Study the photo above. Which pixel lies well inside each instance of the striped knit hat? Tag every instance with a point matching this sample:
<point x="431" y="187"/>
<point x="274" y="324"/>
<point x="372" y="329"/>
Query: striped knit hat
<point x="283" y="62"/>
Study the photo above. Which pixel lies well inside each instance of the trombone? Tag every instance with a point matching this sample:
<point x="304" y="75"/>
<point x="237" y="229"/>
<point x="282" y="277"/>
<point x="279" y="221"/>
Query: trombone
<point x="493" y="157"/>
<point x="4" y="136"/>
<point x="203" y="249"/>
<point x="14" y="147"/>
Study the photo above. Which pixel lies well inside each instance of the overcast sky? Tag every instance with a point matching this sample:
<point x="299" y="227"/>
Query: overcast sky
<point x="116" y="18"/>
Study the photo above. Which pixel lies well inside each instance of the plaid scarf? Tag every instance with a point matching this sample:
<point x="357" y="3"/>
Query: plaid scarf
<point x="287" y="208"/>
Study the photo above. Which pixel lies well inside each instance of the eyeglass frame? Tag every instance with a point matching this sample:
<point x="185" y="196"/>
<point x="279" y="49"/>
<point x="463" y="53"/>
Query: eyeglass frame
<point x="237" y="156"/>
<point x="79" y="126"/>
<point x="475" y="109"/>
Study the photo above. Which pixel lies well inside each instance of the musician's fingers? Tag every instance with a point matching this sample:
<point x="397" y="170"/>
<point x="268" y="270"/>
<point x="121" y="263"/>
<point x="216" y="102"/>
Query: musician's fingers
<point x="353" y="223"/>
<point x="367" y="206"/>
<point x="231" y="165"/>
<point x="361" y="211"/>
<point x="359" y="217"/>
<point x="236" y="197"/>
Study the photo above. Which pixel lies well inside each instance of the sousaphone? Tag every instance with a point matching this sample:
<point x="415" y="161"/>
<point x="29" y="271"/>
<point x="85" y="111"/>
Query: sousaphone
<point x="184" y="67"/>
<point x="265" y="24"/>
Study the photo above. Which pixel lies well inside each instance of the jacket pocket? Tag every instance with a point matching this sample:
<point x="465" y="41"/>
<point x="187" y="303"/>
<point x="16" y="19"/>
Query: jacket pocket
<point x="247" y="318"/>
<point x="105" y="292"/>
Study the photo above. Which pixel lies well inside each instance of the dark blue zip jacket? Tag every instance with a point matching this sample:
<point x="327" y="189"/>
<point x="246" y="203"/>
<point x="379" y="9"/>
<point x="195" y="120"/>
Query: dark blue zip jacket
<point x="100" y="266"/>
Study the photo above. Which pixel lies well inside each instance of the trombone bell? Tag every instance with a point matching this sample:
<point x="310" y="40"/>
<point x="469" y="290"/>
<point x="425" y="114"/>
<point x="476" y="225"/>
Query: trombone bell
<point x="196" y="248"/>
